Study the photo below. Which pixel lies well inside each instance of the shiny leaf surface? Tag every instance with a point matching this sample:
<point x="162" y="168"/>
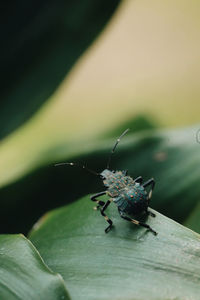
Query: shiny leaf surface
<point x="127" y="263"/>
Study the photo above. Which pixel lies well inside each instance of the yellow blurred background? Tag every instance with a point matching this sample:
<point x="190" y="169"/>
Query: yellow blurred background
<point x="146" y="61"/>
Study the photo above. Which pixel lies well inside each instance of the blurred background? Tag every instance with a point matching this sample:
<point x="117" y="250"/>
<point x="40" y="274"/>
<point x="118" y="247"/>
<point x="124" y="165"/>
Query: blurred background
<point x="74" y="76"/>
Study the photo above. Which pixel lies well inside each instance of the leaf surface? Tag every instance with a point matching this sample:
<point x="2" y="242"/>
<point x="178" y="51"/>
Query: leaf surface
<point x="127" y="263"/>
<point x="23" y="274"/>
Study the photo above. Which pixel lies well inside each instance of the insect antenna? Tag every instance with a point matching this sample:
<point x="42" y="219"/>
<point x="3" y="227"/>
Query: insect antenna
<point x="115" y="145"/>
<point x="77" y="165"/>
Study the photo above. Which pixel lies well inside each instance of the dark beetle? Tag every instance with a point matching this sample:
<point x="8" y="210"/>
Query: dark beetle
<point x="128" y="194"/>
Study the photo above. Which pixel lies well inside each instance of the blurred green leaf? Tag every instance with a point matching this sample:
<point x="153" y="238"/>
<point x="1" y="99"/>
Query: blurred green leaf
<point x="193" y="220"/>
<point x="170" y="156"/>
<point x="138" y="123"/>
<point x="127" y="263"/>
<point x="23" y="274"/>
<point x="41" y="40"/>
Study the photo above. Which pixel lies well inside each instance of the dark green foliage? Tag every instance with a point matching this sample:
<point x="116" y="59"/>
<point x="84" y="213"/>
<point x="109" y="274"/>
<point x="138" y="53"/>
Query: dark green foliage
<point x="40" y="42"/>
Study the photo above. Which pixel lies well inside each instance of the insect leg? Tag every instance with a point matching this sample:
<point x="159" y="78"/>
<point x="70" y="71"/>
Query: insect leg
<point x="100" y="203"/>
<point x="125" y="172"/>
<point x="152" y="183"/>
<point x="138" y="179"/>
<point x="106" y="217"/>
<point x="122" y="215"/>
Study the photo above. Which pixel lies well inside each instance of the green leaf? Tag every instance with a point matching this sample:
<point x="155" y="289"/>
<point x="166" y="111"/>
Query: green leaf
<point x="127" y="263"/>
<point x="193" y="220"/>
<point x="41" y="42"/>
<point x="23" y="274"/>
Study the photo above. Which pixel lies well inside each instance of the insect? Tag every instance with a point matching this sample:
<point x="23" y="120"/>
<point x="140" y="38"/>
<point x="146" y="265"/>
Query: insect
<point x="129" y="195"/>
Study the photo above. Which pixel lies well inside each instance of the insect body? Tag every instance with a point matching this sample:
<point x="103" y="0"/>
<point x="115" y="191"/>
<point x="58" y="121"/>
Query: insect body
<point x="129" y="195"/>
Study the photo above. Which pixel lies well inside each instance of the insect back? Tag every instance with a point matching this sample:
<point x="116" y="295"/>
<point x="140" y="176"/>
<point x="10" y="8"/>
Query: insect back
<point x="132" y="199"/>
